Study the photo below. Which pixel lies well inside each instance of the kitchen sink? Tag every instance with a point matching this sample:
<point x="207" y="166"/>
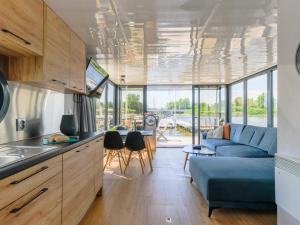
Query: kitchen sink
<point x="11" y="153"/>
<point x="6" y="159"/>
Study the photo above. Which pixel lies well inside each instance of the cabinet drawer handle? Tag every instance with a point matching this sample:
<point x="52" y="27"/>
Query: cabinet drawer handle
<point x="25" y="178"/>
<point x="77" y="150"/>
<point x="15" y="35"/>
<point x="58" y="81"/>
<point x="17" y="209"/>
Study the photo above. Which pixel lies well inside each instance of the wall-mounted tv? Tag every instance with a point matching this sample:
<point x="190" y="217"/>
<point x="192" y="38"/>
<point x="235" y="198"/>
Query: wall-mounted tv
<point x="96" y="78"/>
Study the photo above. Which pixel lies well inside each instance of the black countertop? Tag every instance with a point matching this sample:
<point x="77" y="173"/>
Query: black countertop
<point x="60" y="149"/>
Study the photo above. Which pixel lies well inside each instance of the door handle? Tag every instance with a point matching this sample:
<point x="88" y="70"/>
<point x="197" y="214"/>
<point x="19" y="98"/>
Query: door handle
<point x="15" y="35"/>
<point x="17" y="209"/>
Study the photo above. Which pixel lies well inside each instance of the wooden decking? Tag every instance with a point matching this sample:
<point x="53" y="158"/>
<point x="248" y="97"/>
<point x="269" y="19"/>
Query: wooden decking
<point x="153" y="198"/>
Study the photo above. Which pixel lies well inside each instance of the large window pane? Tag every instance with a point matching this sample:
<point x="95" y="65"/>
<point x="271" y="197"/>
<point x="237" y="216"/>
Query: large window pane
<point x="100" y="111"/>
<point x="110" y="105"/>
<point x="257" y="113"/>
<point x="223" y="105"/>
<point x="275" y="99"/>
<point x="173" y="105"/>
<point x="131" y="107"/>
<point x="237" y="103"/>
<point x="209" y="108"/>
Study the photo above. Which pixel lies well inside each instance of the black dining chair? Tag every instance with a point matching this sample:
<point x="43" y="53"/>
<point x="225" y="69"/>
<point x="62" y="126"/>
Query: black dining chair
<point x="135" y="143"/>
<point x="113" y="143"/>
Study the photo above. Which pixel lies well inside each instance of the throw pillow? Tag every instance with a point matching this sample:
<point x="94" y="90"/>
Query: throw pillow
<point x="226" y="131"/>
<point x="217" y="133"/>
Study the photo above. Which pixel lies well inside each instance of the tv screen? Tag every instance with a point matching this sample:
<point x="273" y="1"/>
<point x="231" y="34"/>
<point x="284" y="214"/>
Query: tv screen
<point x="96" y="78"/>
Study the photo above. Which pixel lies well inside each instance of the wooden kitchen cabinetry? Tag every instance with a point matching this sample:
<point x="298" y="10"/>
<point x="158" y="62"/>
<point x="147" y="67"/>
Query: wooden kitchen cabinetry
<point x="82" y="180"/>
<point x="33" y="196"/>
<point x="21" y="27"/>
<point x="78" y="183"/>
<point x="98" y="173"/>
<point x="57" y="191"/>
<point x="62" y="67"/>
<point x="40" y="206"/>
<point x="56" y="61"/>
<point x="77" y="63"/>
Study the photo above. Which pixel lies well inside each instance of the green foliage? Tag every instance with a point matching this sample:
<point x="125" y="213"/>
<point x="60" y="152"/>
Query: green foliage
<point x="133" y="104"/>
<point x="183" y="103"/>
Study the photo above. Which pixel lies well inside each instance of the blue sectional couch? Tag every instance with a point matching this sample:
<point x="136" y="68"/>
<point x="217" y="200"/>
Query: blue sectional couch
<point x="242" y="174"/>
<point x="245" y="141"/>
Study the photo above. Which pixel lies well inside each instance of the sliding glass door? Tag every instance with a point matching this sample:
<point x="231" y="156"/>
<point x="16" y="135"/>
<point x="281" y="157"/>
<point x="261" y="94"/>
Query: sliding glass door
<point x="131" y="106"/>
<point x="173" y="106"/>
<point x="209" y="109"/>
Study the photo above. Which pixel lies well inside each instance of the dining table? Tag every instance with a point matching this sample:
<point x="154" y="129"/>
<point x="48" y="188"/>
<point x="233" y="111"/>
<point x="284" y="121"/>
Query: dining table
<point x="146" y="135"/>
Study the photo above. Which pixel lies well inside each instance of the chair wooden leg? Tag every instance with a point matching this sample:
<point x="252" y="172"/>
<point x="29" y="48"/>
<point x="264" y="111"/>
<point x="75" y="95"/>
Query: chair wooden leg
<point x="108" y="156"/>
<point x="128" y="160"/>
<point x="150" y="160"/>
<point x="142" y="157"/>
<point x="186" y="159"/>
<point x="123" y="157"/>
<point x="141" y="161"/>
<point x="120" y="162"/>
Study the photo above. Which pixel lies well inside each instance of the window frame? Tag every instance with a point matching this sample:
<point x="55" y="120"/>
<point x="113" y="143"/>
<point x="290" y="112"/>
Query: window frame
<point x="270" y="103"/>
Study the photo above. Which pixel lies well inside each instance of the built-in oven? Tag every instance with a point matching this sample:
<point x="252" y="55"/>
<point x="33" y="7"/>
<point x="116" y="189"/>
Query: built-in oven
<point x="4" y="96"/>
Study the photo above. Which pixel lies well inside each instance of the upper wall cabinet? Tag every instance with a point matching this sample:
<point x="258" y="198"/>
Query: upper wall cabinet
<point x="56" y="49"/>
<point x="77" y="63"/>
<point x="21" y="27"/>
<point x="62" y="67"/>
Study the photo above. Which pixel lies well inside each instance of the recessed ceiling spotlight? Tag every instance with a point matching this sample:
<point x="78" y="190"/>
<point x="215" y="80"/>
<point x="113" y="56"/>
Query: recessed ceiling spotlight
<point x="131" y="24"/>
<point x="130" y="13"/>
<point x="123" y="79"/>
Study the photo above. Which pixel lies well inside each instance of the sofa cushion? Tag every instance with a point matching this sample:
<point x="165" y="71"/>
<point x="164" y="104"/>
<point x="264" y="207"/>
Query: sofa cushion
<point x="235" y="132"/>
<point x="234" y="179"/>
<point x="214" y="143"/>
<point x="269" y="141"/>
<point x="241" y="151"/>
<point x="252" y="135"/>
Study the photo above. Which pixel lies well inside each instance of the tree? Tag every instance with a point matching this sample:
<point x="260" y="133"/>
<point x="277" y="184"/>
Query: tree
<point x="260" y="101"/>
<point x="133" y="103"/>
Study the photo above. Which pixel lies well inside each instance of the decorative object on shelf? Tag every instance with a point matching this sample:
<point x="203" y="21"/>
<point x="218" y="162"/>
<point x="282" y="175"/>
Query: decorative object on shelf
<point x="68" y="125"/>
<point x="4" y="97"/>
<point x="298" y="59"/>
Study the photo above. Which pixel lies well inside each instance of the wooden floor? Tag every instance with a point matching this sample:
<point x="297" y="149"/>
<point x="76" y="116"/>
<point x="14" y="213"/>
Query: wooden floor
<point x="153" y="198"/>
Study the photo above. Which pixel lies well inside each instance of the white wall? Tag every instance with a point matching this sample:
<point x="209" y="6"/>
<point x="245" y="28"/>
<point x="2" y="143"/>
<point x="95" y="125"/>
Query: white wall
<point x="288" y="78"/>
<point x="288" y="91"/>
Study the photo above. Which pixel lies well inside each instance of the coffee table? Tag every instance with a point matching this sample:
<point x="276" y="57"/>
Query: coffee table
<point x="190" y="150"/>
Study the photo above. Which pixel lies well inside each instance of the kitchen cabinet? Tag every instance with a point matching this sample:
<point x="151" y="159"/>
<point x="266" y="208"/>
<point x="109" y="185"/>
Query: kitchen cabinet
<point x="21" y="27"/>
<point x="15" y="186"/>
<point x="57" y="191"/>
<point x="62" y="67"/>
<point x="78" y="183"/>
<point x="98" y="164"/>
<point x="77" y="63"/>
<point x="41" y="206"/>
<point x="56" y="50"/>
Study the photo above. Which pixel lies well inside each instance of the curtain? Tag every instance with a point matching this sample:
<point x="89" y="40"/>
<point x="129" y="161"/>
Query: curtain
<point x="85" y="112"/>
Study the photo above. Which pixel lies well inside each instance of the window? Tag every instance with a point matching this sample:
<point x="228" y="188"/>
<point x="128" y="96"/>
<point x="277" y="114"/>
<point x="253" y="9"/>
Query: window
<point x="275" y="99"/>
<point x="131" y="107"/>
<point x="237" y="103"/>
<point x="173" y="106"/>
<point x="100" y="111"/>
<point x="110" y="105"/>
<point x="257" y="110"/>
<point x="222" y="105"/>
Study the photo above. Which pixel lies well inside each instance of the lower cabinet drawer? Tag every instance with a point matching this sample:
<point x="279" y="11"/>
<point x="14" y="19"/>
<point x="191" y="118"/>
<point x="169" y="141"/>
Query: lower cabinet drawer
<point x="17" y="185"/>
<point x="41" y="206"/>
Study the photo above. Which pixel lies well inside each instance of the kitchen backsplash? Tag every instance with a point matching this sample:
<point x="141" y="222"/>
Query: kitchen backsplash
<point x="41" y="109"/>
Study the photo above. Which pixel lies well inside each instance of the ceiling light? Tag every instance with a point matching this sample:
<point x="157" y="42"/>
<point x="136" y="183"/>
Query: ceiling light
<point x="131" y="24"/>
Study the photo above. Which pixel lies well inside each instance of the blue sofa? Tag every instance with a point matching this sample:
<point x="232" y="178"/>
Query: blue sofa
<point x="245" y="141"/>
<point x="243" y="175"/>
